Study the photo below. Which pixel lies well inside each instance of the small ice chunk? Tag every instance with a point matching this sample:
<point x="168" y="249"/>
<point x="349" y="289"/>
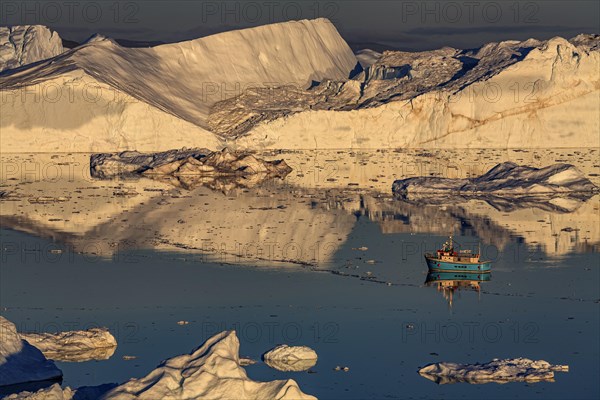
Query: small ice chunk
<point x="291" y="358"/>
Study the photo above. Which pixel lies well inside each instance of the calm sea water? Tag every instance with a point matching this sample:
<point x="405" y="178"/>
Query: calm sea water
<point x="336" y="268"/>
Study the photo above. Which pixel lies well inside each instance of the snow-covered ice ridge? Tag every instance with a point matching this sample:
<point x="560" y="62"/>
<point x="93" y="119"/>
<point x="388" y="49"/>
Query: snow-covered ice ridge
<point x="506" y="178"/>
<point x="211" y="92"/>
<point x="499" y="371"/>
<point x="22" y="45"/>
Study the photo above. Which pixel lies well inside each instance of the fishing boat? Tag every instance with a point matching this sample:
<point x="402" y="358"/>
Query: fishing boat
<point x="448" y="260"/>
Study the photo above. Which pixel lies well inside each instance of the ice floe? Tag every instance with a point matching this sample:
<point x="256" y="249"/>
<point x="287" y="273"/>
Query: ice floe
<point x="74" y="346"/>
<point x="291" y="358"/>
<point x="499" y="371"/>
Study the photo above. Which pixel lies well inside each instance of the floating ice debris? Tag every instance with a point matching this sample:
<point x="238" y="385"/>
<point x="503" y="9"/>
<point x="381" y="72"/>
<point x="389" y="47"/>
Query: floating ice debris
<point x="20" y="362"/>
<point x="291" y="358"/>
<point x="504" y="179"/>
<point x="127" y="358"/>
<point x="183" y="322"/>
<point x="499" y="371"/>
<point x="74" y="346"/>
<point x="338" y="368"/>
<point x="245" y="361"/>
<point x="48" y="199"/>
<point x="360" y="248"/>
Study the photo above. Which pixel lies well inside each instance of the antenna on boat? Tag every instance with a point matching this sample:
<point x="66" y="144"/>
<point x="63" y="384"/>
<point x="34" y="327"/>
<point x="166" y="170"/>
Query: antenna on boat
<point x="479" y="250"/>
<point x="451" y="244"/>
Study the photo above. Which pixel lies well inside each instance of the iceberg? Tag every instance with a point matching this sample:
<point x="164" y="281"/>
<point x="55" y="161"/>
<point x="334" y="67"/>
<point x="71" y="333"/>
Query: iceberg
<point x="105" y="97"/>
<point x="21" y="362"/>
<point x="297" y="85"/>
<point x="74" y="346"/>
<point x="530" y="94"/>
<point x="191" y="168"/>
<point x="211" y="371"/>
<point x="506" y="179"/>
<point x="498" y="371"/>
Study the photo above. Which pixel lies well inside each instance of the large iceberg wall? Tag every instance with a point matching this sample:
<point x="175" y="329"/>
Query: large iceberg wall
<point x="549" y="98"/>
<point x="104" y="97"/>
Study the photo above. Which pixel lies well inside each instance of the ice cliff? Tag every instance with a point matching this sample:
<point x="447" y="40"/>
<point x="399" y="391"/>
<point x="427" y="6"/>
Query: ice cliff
<point x="531" y="94"/>
<point x="22" y="45"/>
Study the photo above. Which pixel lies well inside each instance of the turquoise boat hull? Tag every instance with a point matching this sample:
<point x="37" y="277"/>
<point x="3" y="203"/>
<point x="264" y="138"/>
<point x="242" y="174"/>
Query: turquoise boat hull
<point x="448" y="266"/>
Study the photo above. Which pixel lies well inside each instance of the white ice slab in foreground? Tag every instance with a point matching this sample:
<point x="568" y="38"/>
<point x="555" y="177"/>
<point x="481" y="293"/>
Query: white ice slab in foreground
<point x="499" y="371"/>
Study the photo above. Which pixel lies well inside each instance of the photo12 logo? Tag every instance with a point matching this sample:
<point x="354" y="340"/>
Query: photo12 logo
<point x="266" y="12"/>
<point x="469" y="332"/>
<point x="69" y="12"/>
<point x="276" y="332"/>
<point x="470" y="12"/>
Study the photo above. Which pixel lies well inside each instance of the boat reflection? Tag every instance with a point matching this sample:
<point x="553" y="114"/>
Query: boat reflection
<point x="448" y="283"/>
